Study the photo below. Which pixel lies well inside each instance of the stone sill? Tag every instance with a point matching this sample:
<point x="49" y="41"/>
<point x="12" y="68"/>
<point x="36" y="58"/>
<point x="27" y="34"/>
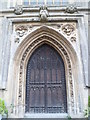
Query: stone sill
<point x="48" y="115"/>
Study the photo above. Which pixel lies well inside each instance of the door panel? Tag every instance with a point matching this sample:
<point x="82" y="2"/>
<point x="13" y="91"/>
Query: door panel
<point x="45" y="82"/>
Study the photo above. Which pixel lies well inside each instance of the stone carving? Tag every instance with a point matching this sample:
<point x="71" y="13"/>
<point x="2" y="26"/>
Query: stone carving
<point x="18" y="10"/>
<point x="58" y="26"/>
<point x="44" y="13"/>
<point x="22" y="65"/>
<point x="71" y="9"/>
<point x="17" y="40"/>
<point x="73" y="39"/>
<point x="68" y="29"/>
<point x="21" y="30"/>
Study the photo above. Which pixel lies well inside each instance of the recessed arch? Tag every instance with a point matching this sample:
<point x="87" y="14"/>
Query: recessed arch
<point x="45" y="72"/>
<point x="38" y="37"/>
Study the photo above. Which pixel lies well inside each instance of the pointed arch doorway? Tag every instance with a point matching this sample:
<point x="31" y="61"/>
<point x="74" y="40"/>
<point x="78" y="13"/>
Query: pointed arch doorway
<point x="45" y="82"/>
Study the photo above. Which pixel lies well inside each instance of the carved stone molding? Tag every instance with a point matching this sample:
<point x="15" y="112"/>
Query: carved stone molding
<point x="43" y="13"/>
<point x="68" y="29"/>
<point x="21" y="30"/>
<point x="71" y="9"/>
<point x="18" y="10"/>
<point x="20" y="94"/>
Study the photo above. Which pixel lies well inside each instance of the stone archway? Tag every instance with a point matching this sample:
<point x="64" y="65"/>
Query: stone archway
<point x="45" y="82"/>
<point x="25" y="50"/>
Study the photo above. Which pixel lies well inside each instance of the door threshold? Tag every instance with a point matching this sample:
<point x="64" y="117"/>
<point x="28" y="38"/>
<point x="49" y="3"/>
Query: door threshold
<point x="44" y="115"/>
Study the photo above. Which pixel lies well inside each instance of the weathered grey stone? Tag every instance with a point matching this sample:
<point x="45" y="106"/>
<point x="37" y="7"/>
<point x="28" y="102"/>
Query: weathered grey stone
<point x="18" y="10"/>
<point x="23" y="33"/>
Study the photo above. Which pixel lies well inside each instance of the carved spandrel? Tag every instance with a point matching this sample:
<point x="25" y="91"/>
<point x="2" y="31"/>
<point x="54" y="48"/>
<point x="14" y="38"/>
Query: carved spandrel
<point x="21" y="31"/>
<point x="68" y="30"/>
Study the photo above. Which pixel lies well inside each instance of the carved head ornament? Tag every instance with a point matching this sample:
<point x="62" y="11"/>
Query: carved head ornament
<point x="43" y="13"/>
<point x="68" y="29"/>
<point x="18" y="10"/>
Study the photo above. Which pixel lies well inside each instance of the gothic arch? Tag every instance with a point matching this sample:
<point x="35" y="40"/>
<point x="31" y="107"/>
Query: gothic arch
<point x="27" y="47"/>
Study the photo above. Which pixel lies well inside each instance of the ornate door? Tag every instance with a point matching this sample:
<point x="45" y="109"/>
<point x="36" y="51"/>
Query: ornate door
<point x="45" y="82"/>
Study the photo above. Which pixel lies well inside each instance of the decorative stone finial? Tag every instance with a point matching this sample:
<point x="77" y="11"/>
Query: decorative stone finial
<point x="18" y="10"/>
<point x="44" y="13"/>
<point x="71" y="9"/>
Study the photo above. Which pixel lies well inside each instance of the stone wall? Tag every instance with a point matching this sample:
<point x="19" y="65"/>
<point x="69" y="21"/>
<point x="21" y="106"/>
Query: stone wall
<point x="23" y="30"/>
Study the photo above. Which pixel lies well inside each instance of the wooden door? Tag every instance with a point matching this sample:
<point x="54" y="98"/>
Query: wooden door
<point x="45" y="82"/>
